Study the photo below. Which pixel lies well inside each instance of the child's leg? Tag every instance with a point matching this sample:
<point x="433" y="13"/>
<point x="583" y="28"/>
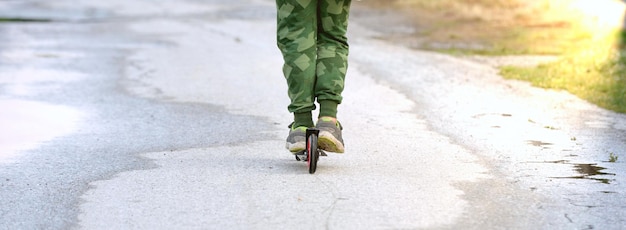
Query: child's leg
<point x="332" y="54"/>
<point x="296" y="35"/>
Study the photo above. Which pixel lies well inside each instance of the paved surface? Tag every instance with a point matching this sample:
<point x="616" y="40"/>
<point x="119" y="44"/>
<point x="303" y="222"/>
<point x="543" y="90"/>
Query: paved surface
<point x="171" y="114"/>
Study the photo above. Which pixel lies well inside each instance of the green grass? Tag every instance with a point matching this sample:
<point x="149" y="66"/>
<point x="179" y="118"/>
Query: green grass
<point x="613" y="158"/>
<point x="590" y="66"/>
<point x="596" y="73"/>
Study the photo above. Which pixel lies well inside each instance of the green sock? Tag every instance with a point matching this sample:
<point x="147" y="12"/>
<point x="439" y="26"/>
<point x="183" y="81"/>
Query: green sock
<point x="302" y="119"/>
<point x="328" y="108"/>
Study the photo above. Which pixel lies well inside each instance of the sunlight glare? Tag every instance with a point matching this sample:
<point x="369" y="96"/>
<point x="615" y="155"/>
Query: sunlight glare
<point x="601" y="15"/>
<point x="26" y="124"/>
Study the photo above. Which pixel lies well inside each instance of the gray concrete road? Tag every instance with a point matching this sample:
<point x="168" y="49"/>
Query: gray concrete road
<point x="172" y="115"/>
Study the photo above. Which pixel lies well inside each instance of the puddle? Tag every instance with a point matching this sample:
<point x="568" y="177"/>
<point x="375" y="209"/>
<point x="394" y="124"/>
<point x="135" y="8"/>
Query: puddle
<point x="585" y="171"/>
<point x="26" y="124"/>
<point x="538" y="143"/>
<point x="492" y="114"/>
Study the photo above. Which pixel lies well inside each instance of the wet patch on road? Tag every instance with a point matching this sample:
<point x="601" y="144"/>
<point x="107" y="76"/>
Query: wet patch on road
<point x="590" y="172"/>
<point x="584" y="171"/>
<point x="539" y="143"/>
<point x="80" y="69"/>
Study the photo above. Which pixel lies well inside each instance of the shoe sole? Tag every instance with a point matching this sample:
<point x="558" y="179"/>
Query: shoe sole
<point x="329" y="143"/>
<point x="296" y="147"/>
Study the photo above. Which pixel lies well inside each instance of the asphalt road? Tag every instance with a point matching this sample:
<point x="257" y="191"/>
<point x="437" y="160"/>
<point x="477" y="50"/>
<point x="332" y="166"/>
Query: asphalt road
<point x="172" y="115"/>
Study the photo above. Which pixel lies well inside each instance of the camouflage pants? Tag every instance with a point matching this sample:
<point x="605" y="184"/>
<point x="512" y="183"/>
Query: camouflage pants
<point x="312" y="38"/>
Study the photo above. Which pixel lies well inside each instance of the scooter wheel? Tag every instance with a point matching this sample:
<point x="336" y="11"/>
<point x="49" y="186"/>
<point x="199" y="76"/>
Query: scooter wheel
<point x="312" y="153"/>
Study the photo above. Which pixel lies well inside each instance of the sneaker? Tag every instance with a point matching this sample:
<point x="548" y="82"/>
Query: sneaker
<point x="296" y="141"/>
<point x="330" y="135"/>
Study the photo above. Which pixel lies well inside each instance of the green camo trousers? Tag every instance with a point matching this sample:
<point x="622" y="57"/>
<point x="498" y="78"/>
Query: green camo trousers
<point x="312" y="38"/>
